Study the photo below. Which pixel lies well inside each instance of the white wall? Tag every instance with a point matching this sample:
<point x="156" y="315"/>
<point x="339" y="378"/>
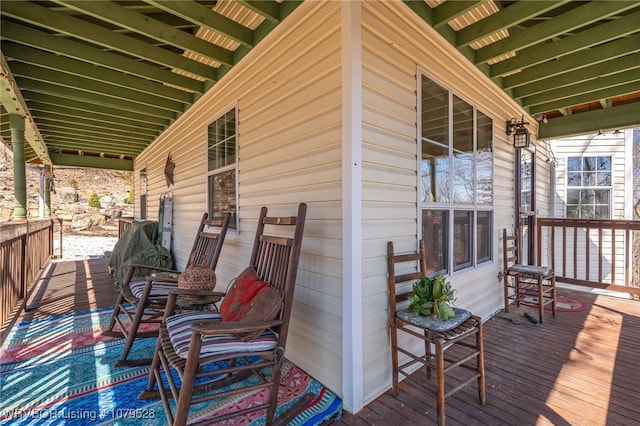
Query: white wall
<point x="396" y="44"/>
<point x="288" y="94"/>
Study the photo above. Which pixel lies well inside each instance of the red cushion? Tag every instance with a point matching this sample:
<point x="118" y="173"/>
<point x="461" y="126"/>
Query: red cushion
<point x="240" y="296"/>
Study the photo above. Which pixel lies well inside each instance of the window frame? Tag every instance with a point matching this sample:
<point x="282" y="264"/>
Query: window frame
<point x="582" y="187"/>
<point x="211" y="173"/>
<point x="451" y="208"/>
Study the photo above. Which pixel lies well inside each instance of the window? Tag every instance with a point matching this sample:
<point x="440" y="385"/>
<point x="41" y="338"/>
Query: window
<point x="143" y="193"/>
<point x="221" y="175"/>
<point x="456" y="180"/>
<point x="589" y="187"/>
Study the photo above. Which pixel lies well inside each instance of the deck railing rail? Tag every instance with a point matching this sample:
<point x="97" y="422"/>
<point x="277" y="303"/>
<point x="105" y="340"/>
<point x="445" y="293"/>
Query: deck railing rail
<point x="590" y="252"/>
<point x="124" y="223"/>
<point x="25" y="247"/>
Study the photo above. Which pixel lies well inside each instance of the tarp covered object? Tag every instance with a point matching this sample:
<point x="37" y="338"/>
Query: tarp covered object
<point x="138" y="245"/>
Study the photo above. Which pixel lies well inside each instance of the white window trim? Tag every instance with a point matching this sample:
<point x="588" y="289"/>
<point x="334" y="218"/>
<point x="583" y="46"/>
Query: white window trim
<point x="226" y="168"/>
<point x="450" y="207"/>
<point x="568" y="188"/>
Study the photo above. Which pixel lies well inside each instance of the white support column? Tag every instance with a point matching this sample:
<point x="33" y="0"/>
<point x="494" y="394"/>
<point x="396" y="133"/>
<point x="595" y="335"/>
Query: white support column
<point x="352" y="339"/>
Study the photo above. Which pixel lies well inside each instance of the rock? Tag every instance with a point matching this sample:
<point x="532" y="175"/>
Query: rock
<point x="81" y="222"/>
<point x="67" y="194"/>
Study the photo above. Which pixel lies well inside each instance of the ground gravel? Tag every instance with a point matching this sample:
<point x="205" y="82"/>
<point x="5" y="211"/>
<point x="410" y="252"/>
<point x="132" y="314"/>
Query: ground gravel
<point x="79" y="247"/>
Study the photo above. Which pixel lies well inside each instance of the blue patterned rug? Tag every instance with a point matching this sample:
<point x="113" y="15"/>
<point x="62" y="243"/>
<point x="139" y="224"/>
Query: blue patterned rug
<point x="60" y="371"/>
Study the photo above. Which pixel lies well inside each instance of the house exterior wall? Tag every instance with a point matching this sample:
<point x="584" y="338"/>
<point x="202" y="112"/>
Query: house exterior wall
<point x="396" y="46"/>
<point x="287" y="92"/>
<point x="289" y="95"/>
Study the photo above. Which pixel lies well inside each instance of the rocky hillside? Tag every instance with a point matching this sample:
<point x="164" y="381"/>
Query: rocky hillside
<point x="74" y="188"/>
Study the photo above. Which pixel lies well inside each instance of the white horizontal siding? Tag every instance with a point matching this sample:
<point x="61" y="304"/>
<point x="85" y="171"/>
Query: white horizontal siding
<point x="287" y="91"/>
<point x="396" y="43"/>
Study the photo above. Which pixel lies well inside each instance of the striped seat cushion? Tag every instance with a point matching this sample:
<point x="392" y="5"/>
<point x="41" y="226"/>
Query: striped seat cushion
<point x="179" y="330"/>
<point x="159" y="290"/>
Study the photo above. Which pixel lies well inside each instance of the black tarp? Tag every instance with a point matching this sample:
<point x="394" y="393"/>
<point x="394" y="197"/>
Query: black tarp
<point x="138" y="245"/>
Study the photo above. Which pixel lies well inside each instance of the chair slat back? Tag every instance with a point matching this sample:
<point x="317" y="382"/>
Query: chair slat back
<point x="208" y="244"/>
<point x="414" y="263"/>
<point x="510" y="248"/>
<point x="275" y="257"/>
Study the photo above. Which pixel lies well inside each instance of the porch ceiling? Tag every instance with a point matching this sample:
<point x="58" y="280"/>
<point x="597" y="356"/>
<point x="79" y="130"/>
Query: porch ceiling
<point x="102" y="79"/>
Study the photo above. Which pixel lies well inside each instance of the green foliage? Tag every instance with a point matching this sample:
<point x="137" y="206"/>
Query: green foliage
<point x="74" y="184"/>
<point x="432" y="297"/>
<point x="129" y="199"/>
<point x="94" y="201"/>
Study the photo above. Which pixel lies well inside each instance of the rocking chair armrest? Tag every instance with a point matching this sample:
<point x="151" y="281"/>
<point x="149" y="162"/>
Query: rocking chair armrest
<point x="210" y="328"/>
<point x="133" y="266"/>
<point x="186" y="292"/>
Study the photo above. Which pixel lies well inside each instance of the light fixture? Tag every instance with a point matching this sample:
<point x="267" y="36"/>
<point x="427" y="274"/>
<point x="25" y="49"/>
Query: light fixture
<point x="521" y="136"/>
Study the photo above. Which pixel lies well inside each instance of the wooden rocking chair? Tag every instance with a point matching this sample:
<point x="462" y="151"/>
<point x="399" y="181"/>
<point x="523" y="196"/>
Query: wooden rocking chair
<point x="247" y="337"/>
<point x="143" y="301"/>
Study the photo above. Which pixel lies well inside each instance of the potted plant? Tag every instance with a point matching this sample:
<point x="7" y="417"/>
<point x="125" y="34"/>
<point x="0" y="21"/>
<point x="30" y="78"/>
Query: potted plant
<point x="432" y="297"/>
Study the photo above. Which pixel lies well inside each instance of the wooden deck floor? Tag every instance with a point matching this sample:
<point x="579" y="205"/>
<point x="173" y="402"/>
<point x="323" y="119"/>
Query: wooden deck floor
<point x="578" y="368"/>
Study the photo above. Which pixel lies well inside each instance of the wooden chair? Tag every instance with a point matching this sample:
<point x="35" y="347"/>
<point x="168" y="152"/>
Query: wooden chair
<point x="463" y="342"/>
<point x="235" y="347"/>
<point x="143" y="301"/>
<point x="528" y="285"/>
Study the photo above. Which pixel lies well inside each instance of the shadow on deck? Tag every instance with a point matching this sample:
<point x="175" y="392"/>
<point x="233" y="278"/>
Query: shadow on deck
<point x="576" y="368"/>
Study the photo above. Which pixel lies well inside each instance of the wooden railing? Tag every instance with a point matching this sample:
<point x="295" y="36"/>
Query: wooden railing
<point x="589" y="252"/>
<point x="25" y="247"/>
<point x="123" y="224"/>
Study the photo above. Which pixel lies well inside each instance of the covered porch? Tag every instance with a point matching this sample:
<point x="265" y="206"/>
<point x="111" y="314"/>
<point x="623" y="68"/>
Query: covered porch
<point x="579" y="367"/>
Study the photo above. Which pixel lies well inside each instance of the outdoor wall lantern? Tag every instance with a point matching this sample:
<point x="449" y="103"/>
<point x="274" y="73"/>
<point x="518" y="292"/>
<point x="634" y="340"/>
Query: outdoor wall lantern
<point x="521" y="136"/>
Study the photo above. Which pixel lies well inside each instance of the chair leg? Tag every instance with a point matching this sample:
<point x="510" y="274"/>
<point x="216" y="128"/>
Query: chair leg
<point x="553" y="295"/>
<point x="273" y="394"/>
<point x="116" y="311"/>
<point x="427" y="355"/>
<point x="480" y="364"/>
<point x="440" y="381"/>
<point x="133" y="330"/>
<point x="149" y="393"/>
<point x="189" y="375"/>
<point x="540" y="300"/>
<point x="394" y="360"/>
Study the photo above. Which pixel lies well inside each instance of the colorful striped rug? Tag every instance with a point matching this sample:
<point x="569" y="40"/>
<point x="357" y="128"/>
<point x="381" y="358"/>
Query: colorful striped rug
<point x="59" y="371"/>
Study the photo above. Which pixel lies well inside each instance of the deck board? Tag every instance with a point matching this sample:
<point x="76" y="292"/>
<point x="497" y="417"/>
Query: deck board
<point x="577" y="368"/>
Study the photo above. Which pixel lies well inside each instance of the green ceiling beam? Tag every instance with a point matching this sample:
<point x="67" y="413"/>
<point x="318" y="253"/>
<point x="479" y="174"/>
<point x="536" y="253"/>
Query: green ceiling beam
<point x="97" y="125"/>
<point x="82" y="69"/>
<point x="89" y="114"/>
<point x="571" y="45"/>
<point x="600" y="85"/>
<point x="91" y="162"/>
<point x="82" y="52"/>
<point x="80" y="107"/>
<point x="13" y="103"/>
<point x="269" y="10"/>
<point x="619" y="117"/>
<point x="87" y="144"/>
<point x="83" y="126"/>
<point x="206" y="18"/>
<point x="122" y="17"/>
<point x="99" y="143"/>
<point x="258" y="34"/>
<point x="60" y="22"/>
<point x="91" y="86"/>
<point x="574" y="62"/>
<point x="512" y="15"/>
<point x="91" y="144"/>
<point x="603" y="69"/>
<point x="576" y="18"/>
<point x="421" y="9"/>
<point x="592" y="96"/>
<point x="450" y="10"/>
<point x="61" y="130"/>
<point x="98" y="99"/>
